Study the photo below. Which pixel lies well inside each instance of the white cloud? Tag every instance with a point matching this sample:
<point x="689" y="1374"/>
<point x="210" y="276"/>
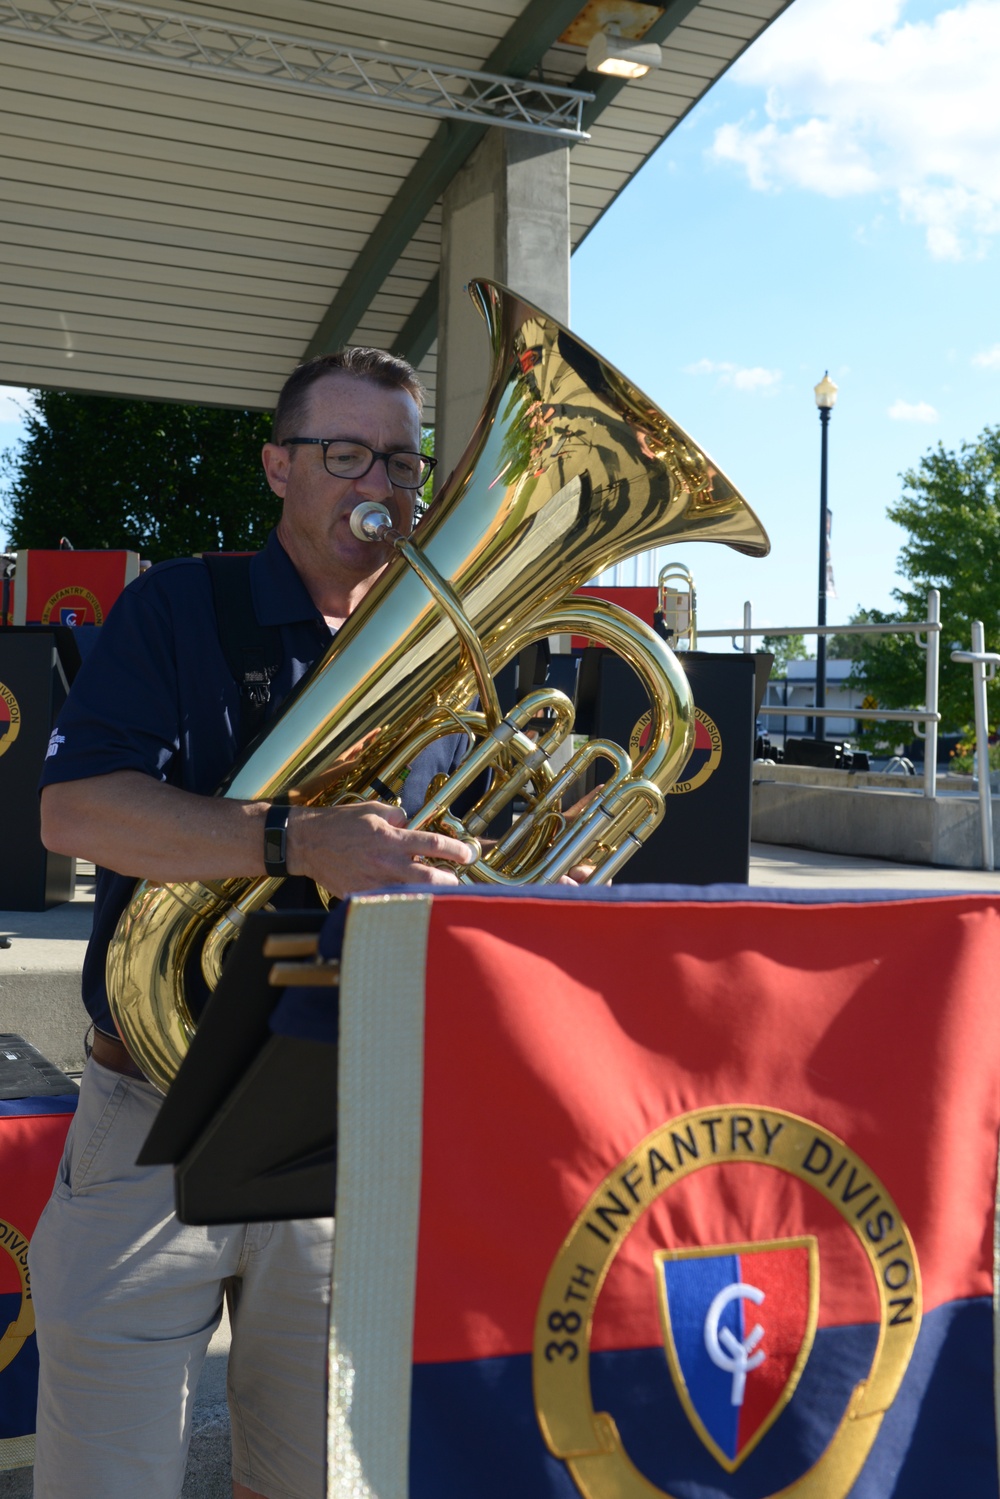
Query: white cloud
<point x="739" y="377"/>
<point x="858" y="100"/>
<point x="989" y="359"/>
<point x="14" y="403"/>
<point x="912" y="411"/>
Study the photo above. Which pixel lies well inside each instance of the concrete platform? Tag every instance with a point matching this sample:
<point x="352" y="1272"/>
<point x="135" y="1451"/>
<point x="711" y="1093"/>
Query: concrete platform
<point x="39" y="1000"/>
<point x="881" y="817"/>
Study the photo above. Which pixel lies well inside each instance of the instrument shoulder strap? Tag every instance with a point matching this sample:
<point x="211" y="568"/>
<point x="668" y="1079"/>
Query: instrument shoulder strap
<point x="253" y="651"/>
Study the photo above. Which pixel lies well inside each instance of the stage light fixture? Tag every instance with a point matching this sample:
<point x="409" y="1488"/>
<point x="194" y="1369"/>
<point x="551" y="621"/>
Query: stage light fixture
<point x="611" y="53"/>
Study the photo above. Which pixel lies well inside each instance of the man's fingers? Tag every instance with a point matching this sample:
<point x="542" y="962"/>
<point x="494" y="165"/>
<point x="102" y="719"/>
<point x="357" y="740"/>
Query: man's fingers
<point x="417" y="842"/>
<point x="366" y="845"/>
<point x="423" y="845"/>
<point x="578" y="807"/>
<point x="394" y="815"/>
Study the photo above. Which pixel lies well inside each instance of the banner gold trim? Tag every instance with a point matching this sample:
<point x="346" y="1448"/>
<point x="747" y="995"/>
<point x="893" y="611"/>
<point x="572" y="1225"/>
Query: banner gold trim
<point x="588" y="1441"/>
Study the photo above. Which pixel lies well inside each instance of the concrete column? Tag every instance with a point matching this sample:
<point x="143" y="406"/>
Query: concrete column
<point x="506" y="217"/>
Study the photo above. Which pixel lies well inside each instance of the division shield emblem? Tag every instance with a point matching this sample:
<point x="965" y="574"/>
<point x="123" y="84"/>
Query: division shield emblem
<point x="10" y="718"/>
<point x="73" y="606"/>
<point x="738" y="1325"/>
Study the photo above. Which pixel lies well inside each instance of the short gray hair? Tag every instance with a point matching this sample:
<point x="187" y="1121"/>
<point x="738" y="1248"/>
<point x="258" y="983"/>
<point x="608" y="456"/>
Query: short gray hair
<point x="376" y="365"/>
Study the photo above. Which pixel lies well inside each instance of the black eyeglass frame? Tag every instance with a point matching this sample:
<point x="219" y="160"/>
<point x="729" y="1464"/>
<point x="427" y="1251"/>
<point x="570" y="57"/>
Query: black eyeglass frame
<point x="327" y="442"/>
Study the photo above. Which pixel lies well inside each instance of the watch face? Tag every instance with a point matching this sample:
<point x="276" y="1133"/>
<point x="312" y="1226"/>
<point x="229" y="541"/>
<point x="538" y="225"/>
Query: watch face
<point x="274" y="840"/>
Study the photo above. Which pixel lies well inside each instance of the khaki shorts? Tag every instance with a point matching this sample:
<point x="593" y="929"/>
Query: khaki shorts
<point x="126" y="1299"/>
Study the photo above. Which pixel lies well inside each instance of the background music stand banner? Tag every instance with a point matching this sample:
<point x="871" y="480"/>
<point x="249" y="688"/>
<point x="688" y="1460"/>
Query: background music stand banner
<point x="32" y="1137"/>
<point x="689" y="1196"/>
<point x="70" y="587"/>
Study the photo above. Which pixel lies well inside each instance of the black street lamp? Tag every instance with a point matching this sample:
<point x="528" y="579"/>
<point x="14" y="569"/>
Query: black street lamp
<point x="826" y="396"/>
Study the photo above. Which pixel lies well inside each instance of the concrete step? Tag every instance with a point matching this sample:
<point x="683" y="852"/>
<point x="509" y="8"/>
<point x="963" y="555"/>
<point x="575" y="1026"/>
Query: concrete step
<point x="836" y="813"/>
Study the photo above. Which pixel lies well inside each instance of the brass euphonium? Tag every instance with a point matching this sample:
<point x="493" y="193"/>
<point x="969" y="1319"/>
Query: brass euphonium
<point x="570" y="470"/>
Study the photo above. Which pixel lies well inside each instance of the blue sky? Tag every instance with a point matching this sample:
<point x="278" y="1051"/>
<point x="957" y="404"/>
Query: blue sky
<point x="834" y="203"/>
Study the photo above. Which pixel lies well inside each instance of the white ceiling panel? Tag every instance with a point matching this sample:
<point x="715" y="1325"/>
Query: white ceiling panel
<point x="172" y="234"/>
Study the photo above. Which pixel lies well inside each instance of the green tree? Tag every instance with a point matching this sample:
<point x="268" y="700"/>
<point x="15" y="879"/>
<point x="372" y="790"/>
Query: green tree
<point x="784" y="648"/>
<point x="852" y="647"/>
<point x="427" y="493"/>
<point x="159" y="479"/>
<point x="950" y="507"/>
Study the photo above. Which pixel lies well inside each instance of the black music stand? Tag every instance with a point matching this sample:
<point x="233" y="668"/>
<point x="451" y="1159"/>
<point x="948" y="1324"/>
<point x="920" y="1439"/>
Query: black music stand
<point x="250" y="1122"/>
<point x="704" y="838"/>
<point x="37" y="664"/>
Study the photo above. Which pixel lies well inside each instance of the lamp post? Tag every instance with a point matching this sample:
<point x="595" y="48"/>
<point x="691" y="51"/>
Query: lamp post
<point x="826" y="396"/>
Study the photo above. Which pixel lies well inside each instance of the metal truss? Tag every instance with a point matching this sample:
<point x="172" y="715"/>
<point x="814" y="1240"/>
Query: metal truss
<point x="200" y="45"/>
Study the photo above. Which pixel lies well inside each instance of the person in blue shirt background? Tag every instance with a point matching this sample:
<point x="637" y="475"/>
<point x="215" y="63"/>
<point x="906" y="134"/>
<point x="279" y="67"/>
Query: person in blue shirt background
<point x="126" y="1298"/>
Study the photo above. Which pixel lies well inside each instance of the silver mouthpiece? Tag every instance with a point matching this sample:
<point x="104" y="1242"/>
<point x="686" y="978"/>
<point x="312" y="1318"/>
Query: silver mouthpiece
<point x="370" y="521"/>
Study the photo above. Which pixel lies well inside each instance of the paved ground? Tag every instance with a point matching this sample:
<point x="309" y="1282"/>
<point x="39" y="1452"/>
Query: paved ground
<point x="40" y="974"/>
<point x="771" y="864"/>
<point x="39" y="1000"/>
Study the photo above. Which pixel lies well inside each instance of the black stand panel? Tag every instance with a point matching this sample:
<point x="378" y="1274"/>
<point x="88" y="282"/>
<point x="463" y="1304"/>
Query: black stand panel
<point x="33" y="687"/>
<point x="704" y="838"/>
<point x="25" y="1073"/>
<point x="250" y="1123"/>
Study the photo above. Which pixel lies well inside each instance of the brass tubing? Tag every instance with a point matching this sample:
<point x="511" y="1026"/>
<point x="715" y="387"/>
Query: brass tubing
<point x="451" y="604"/>
<point x="570" y="470"/>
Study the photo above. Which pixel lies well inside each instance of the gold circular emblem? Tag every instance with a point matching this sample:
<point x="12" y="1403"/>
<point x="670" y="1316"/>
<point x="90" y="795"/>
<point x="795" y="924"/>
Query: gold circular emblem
<point x="707" y="739"/>
<point x="73" y="593"/>
<point x="10" y="718"/>
<point x="23" y="1326"/>
<point x="588" y="1441"/>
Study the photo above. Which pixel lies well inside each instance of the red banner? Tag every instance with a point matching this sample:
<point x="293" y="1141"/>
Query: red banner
<point x="707" y="1194"/>
<point x="69" y="588"/>
<point x="642" y="602"/>
<point x="32" y="1135"/>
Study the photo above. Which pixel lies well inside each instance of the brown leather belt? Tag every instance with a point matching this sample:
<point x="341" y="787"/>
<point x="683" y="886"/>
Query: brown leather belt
<point x="108" y="1051"/>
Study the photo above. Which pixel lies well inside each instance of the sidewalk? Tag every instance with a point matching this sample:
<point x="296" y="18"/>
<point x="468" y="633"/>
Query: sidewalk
<point x="774" y="864"/>
<point x="39" y="1000"/>
<point x="40" y="974"/>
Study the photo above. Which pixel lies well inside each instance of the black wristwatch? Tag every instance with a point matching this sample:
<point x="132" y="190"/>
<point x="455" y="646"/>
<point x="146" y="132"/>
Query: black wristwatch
<point x="275" y="836"/>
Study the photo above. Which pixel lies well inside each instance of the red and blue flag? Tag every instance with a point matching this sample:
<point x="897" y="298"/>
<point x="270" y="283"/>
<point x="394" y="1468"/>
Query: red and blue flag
<point x="701" y="1203"/>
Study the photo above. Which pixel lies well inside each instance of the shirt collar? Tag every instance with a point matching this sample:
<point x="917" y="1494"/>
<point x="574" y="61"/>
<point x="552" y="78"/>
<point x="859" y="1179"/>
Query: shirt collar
<point x="279" y="595"/>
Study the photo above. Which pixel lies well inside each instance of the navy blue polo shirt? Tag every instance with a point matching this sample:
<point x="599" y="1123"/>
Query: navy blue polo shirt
<point x="156" y="695"/>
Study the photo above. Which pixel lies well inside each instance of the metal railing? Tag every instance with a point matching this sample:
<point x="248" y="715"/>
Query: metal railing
<point x="984" y="666"/>
<point x="925" y="720"/>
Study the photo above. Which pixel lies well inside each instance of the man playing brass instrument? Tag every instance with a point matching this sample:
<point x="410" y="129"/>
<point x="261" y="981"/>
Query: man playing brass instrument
<point x="126" y="1298"/>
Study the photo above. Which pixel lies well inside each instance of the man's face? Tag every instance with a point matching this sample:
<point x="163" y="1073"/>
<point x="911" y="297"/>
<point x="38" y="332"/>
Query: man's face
<point x="315" y="519"/>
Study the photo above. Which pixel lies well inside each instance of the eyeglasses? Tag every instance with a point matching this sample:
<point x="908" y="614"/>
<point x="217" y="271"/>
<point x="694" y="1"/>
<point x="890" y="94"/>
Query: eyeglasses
<point x="352" y="460"/>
